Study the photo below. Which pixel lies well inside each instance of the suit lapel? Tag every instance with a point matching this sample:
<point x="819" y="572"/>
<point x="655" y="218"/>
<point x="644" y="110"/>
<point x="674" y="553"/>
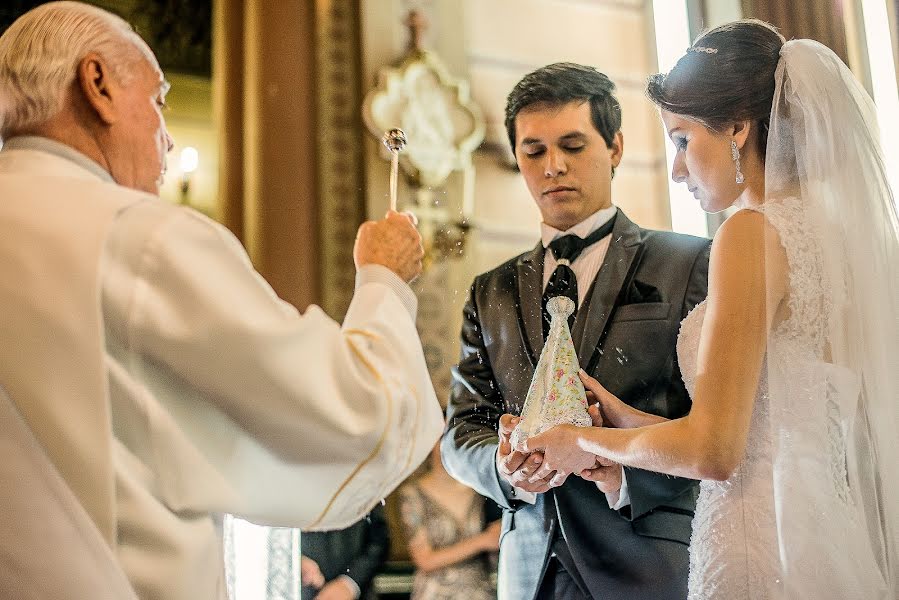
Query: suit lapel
<point x="530" y="302"/>
<point x="607" y="287"/>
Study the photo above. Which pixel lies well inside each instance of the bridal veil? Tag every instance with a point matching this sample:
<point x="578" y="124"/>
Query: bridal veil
<point x="837" y="520"/>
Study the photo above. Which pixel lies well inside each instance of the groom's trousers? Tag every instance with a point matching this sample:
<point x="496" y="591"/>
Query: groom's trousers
<point x="560" y="584"/>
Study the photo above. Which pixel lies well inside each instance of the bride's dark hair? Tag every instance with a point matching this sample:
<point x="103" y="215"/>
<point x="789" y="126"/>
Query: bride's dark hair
<point x="727" y="75"/>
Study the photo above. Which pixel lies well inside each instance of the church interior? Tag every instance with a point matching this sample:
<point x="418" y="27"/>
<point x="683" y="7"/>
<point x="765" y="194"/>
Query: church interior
<point x="278" y="110"/>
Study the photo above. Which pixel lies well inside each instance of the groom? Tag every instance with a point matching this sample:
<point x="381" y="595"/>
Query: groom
<point x="563" y="537"/>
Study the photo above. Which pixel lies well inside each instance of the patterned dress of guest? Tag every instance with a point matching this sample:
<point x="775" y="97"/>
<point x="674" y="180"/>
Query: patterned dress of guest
<point x="471" y="578"/>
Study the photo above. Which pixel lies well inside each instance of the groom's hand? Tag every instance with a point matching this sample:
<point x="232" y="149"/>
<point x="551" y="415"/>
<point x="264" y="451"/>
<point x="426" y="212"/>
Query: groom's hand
<point x="516" y="468"/>
<point x="606" y="473"/>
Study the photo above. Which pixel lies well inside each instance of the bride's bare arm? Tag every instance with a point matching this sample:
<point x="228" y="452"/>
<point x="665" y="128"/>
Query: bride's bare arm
<point x="708" y="443"/>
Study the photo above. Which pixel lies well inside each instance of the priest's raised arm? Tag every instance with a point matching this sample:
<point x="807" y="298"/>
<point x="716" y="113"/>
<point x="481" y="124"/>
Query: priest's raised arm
<point x="280" y="418"/>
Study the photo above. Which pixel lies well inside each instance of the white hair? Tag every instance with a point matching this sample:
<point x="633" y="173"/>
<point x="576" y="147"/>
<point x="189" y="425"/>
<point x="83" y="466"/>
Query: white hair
<point x="40" y="53"/>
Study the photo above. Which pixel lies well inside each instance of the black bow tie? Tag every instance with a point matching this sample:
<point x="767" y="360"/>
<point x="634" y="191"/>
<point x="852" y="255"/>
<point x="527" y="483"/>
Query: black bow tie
<point x="563" y="281"/>
<point x="570" y="246"/>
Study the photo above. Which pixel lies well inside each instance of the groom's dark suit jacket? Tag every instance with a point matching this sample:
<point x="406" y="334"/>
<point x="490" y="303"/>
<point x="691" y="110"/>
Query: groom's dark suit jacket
<point x="625" y="335"/>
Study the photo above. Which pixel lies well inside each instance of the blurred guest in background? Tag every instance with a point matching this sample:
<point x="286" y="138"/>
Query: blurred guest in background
<point x="447" y="538"/>
<point x="341" y="564"/>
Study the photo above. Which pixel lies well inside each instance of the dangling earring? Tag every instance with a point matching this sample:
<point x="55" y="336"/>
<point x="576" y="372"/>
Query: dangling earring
<point x="613" y="172"/>
<point x="735" y="155"/>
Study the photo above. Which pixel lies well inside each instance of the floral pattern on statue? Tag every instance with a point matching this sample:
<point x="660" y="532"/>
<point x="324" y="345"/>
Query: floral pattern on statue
<point x="556" y="395"/>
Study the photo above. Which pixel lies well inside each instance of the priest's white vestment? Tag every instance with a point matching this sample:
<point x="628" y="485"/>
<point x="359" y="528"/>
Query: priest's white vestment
<point x="168" y="384"/>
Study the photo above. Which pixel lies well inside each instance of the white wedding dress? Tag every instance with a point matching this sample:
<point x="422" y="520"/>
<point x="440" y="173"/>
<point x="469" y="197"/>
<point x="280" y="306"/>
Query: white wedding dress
<point x="737" y="551"/>
<point x="812" y="512"/>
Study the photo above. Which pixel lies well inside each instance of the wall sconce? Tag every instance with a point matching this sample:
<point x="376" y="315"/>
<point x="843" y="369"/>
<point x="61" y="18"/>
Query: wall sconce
<point x="443" y="127"/>
<point x="189" y="160"/>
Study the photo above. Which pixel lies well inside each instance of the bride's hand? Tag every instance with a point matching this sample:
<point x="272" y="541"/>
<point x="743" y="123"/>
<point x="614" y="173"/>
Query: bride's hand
<point x="561" y="452"/>
<point x="614" y="412"/>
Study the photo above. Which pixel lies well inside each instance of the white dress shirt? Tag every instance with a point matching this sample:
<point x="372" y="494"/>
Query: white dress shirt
<point x="585" y="268"/>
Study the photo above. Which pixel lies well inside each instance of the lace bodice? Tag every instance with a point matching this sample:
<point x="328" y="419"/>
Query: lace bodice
<point x="735" y="551"/>
<point x="809" y="298"/>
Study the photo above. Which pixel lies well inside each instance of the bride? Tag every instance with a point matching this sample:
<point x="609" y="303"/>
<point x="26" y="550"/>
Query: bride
<point x="792" y="361"/>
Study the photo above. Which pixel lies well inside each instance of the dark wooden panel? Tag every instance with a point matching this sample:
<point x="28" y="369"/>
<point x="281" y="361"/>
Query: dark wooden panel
<point x="178" y="31"/>
<point x="11" y="9"/>
<point x="820" y="20"/>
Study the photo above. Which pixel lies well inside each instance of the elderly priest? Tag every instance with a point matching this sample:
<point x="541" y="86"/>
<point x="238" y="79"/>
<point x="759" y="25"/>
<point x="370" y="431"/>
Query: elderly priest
<point x="158" y="372"/>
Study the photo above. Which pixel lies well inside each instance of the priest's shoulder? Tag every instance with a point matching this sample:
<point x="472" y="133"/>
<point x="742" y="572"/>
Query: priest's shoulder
<point x="105" y="192"/>
<point x="142" y="217"/>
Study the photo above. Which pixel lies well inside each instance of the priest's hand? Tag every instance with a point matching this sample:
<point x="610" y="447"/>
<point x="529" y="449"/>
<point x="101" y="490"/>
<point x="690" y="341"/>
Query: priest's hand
<point x="562" y="454"/>
<point x="392" y="242"/>
<point x="517" y="468"/>
<point x="605" y="472"/>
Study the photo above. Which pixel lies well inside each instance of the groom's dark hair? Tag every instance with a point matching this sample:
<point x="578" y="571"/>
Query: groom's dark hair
<point x="561" y="83"/>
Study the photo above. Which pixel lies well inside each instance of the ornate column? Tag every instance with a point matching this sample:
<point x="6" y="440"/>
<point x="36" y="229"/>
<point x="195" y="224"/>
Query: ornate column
<point x="264" y="66"/>
<point x="339" y="141"/>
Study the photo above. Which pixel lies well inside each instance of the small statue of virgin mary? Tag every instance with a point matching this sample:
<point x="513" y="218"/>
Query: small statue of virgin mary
<point x="556" y="394"/>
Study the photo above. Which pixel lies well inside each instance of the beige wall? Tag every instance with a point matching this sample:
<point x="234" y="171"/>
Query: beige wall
<point x="491" y="43"/>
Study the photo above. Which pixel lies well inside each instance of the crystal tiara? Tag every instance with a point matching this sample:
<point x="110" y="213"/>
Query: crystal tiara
<point x="702" y="49"/>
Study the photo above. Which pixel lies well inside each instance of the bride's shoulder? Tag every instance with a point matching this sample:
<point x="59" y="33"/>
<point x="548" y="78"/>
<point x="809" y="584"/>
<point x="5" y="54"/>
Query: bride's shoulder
<point x="740" y="240"/>
<point x="748" y="242"/>
<point x="745" y="230"/>
<point x="789" y="228"/>
<point x="786" y="215"/>
<point x="767" y="223"/>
